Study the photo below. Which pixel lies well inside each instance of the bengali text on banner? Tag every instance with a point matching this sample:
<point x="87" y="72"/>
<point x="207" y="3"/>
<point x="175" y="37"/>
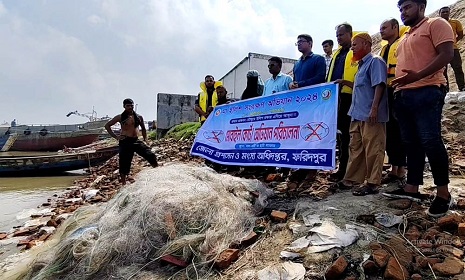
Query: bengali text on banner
<point x="295" y="129"/>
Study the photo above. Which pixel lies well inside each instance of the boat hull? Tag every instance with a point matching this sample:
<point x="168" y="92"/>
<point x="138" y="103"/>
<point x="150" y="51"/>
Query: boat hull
<point x="53" y="164"/>
<point x="54" y="141"/>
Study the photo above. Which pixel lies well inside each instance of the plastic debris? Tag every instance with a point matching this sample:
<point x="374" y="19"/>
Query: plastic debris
<point x="324" y="237"/>
<point x="388" y="219"/>
<point x="282" y="271"/>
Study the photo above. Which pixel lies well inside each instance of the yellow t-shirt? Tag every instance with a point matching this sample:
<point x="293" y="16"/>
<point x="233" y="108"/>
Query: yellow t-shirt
<point x="456" y="27"/>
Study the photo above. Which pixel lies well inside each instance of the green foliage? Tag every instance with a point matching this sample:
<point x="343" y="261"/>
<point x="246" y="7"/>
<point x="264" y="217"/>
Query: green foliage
<point x="183" y="131"/>
<point x="152" y="135"/>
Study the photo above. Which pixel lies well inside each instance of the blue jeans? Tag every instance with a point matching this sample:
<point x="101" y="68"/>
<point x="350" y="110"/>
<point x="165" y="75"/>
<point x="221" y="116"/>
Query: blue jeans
<point x="419" y="114"/>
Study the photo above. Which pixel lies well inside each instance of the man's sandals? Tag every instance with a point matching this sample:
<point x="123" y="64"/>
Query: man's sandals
<point x="365" y="189"/>
<point x="357" y="190"/>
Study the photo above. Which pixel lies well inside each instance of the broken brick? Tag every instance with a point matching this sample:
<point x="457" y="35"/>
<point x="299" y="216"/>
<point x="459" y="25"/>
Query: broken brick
<point x="249" y="239"/>
<point x="169" y="259"/>
<point x="278" y="216"/>
<point x="395" y="271"/>
<point x="462" y="229"/>
<point x="337" y="268"/>
<point x="226" y="258"/>
<point x="381" y="257"/>
<point x="449" y="222"/>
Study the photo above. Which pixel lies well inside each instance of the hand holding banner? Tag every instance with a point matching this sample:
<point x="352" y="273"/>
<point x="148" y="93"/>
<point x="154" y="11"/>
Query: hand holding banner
<point x="295" y="129"/>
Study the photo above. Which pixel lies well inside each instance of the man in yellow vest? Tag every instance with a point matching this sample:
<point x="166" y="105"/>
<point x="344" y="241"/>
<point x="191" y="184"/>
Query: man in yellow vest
<point x="392" y="34"/>
<point x="456" y="62"/>
<point x="342" y="70"/>
<point x="207" y="98"/>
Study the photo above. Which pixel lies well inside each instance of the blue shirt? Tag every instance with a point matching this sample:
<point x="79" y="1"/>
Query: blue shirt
<point x="281" y="83"/>
<point x="371" y="72"/>
<point x="310" y="70"/>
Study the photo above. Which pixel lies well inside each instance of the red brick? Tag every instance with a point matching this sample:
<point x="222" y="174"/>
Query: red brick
<point x="3" y="235"/>
<point x="450" y="251"/>
<point x="422" y="262"/>
<point x="31" y="244"/>
<point x="226" y="258"/>
<point x="394" y="271"/>
<point x="451" y="266"/>
<point x="449" y="222"/>
<point x="278" y="216"/>
<point x="44" y="237"/>
<point x="413" y="233"/>
<point x="337" y="268"/>
<point x="462" y="229"/>
<point x="25" y="231"/>
<point x="381" y="257"/>
<point x="369" y="267"/>
<point x="249" y="239"/>
<point x="273" y="177"/>
<point x="431" y="234"/>
<point x="23" y="242"/>
<point x="173" y="260"/>
<point x="52" y="223"/>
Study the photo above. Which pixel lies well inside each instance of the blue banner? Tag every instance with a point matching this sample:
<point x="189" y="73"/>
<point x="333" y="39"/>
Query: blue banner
<point x="295" y="129"/>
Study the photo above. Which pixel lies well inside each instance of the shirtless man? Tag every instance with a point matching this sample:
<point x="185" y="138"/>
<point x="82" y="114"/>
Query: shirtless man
<point x="128" y="139"/>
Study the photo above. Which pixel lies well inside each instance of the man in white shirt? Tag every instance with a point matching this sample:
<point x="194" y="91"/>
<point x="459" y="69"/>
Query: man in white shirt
<point x="328" y="49"/>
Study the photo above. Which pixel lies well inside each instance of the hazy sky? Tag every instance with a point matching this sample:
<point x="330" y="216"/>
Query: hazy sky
<point x="58" y="56"/>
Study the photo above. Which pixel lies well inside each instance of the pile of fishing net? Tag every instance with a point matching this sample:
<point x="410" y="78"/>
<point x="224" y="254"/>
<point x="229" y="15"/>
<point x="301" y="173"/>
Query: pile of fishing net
<point x="186" y="211"/>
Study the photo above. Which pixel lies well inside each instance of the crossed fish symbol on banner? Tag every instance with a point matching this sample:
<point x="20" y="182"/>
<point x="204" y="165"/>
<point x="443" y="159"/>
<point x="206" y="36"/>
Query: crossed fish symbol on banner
<point x="315" y="130"/>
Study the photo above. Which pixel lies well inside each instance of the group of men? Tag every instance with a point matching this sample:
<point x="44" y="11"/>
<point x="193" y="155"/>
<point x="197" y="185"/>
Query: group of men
<point x="388" y="102"/>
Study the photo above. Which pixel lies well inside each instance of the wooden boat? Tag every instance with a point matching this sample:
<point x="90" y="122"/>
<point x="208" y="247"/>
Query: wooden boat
<point x="50" y="141"/>
<point x="52" y="164"/>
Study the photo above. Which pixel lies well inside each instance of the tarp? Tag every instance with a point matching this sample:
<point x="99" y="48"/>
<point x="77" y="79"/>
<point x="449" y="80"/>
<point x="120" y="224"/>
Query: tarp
<point x="295" y="129"/>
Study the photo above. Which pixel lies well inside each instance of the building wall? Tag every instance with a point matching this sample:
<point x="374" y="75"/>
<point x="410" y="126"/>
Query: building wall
<point x="174" y="109"/>
<point x="235" y="80"/>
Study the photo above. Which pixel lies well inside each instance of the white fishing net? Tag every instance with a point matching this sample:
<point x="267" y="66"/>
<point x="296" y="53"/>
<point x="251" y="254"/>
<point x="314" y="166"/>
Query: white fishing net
<point x="187" y="211"/>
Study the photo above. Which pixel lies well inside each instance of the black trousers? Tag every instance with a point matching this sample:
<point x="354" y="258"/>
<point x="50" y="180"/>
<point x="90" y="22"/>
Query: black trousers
<point x="127" y="147"/>
<point x="395" y="148"/>
<point x="343" y="124"/>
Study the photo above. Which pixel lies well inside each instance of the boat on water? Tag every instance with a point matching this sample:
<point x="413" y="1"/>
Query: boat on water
<point x="53" y="164"/>
<point x="53" y="137"/>
<point x="54" y="141"/>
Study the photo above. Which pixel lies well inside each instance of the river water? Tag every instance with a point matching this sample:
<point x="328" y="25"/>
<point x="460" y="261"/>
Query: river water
<point x="20" y="196"/>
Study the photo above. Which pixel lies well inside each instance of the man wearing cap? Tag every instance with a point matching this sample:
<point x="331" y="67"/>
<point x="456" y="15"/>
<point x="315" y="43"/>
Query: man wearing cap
<point x="129" y="142"/>
<point x="420" y="91"/>
<point x="342" y="71"/>
<point x="207" y="98"/>
<point x="369" y="114"/>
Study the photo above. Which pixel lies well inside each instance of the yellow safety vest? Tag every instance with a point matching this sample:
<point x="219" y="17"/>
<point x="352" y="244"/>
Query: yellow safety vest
<point x="350" y="69"/>
<point x="203" y="99"/>
<point x="392" y="57"/>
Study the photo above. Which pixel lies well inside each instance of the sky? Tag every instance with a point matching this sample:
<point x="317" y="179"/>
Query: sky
<point x="58" y="56"/>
